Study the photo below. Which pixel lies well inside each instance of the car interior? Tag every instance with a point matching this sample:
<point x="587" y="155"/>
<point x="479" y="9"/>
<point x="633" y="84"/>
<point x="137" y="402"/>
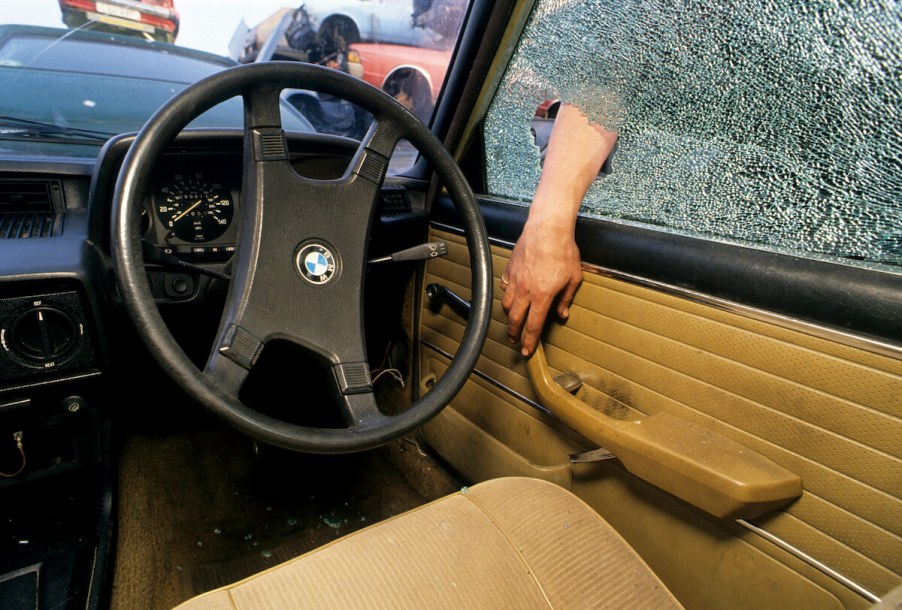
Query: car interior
<point x="261" y="367"/>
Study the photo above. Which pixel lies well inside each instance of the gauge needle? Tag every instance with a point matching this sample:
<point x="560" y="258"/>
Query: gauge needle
<point x="182" y="215"/>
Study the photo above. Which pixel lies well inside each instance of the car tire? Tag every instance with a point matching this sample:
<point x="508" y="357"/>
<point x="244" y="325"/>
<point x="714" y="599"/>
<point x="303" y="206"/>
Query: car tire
<point x="338" y="32"/>
<point x="411" y="89"/>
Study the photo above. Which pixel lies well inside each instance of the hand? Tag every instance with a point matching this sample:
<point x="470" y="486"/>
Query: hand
<point x="544" y="272"/>
<point x="544" y="269"/>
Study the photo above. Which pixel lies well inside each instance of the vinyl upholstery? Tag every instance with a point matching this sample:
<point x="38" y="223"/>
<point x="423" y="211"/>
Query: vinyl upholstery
<point x="505" y="543"/>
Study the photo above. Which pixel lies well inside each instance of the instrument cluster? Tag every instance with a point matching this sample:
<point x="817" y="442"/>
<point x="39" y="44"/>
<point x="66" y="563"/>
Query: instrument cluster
<point x="192" y="209"/>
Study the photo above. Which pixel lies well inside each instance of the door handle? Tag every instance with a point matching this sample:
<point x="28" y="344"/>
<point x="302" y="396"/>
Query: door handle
<point x="439" y="295"/>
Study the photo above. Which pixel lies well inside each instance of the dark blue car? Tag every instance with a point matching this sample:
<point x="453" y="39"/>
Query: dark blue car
<point x="74" y="88"/>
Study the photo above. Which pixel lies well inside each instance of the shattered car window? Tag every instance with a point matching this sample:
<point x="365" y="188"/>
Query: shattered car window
<point x="767" y="122"/>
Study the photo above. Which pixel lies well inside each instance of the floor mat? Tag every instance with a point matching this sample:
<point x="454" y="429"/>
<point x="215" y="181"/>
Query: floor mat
<point x="206" y="577"/>
<point x="205" y="507"/>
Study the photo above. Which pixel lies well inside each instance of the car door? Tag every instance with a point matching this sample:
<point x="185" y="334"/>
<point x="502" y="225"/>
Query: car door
<point x="741" y="286"/>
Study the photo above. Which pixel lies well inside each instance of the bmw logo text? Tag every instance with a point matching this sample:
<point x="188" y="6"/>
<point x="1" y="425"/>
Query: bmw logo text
<point x="316" y="263"/>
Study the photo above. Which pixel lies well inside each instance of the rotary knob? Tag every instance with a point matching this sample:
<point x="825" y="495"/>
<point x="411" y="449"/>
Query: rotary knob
<point x="43" y="334"/>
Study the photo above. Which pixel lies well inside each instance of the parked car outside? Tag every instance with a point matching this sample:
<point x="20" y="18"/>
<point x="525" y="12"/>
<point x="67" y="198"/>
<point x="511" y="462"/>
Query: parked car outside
<point x="412" y="75"/>
<point x="419" y="23"/>
<point x="103" y="83"/>
<point x="156" y="19"/>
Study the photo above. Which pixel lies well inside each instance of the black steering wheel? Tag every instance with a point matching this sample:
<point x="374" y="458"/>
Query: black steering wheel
<point x="301" y="258"/>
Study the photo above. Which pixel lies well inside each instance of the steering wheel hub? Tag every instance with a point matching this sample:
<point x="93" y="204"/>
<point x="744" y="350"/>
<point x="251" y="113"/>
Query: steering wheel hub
<point x="316" y="263"/>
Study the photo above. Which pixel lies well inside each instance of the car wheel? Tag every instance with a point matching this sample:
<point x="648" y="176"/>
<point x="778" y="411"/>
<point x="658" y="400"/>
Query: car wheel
<point x="411" y="89"/>
<point x="338" y="33"/>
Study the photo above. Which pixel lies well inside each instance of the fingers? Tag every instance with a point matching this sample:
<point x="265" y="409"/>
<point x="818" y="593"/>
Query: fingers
<point x="516" y="318"/>
<point x="515" y="308"/>
<point x="516" y="304"/>
<point x="526" y="312"/>
<point x="532" y="329"/>
<point x="507" y="299"/>
<point x="566" y="297"/>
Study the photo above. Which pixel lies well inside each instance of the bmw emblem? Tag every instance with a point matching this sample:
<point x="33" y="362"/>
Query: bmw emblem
<point x="316" y="263"/>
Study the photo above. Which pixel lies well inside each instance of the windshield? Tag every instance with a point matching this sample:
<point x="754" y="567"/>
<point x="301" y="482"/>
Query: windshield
<point x="75" y="72"/>
<point x="65" y="90"/>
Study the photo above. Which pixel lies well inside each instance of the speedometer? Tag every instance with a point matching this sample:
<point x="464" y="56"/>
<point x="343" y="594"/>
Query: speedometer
<point x="196" y="208"/>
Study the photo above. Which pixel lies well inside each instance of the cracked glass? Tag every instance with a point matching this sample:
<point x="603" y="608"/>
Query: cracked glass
<point x="764" y="122"/>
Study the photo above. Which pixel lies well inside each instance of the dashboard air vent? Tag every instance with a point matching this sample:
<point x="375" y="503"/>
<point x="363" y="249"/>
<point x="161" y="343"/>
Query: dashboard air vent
<point x="26" y="225"/>
<point x="394" y="200"/>
<point x="29" y="208"/>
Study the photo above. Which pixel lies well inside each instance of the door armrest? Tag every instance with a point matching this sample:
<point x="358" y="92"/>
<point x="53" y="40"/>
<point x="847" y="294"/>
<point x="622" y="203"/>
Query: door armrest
<point x="691" y="462"/>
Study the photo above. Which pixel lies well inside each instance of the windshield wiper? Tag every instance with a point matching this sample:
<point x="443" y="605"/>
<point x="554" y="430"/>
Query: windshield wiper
<point x="40" y="128"/>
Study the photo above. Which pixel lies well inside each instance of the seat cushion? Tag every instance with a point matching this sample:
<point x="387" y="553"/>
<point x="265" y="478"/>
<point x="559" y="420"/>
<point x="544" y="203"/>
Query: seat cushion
<point x="505" y="543"/>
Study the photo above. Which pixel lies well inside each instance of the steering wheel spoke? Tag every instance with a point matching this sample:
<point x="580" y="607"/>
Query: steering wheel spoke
<point x="362" y="412"/>
<point x="262" y="108"/>
<point x="381" y="138"/>
<point x="226" y="371"/>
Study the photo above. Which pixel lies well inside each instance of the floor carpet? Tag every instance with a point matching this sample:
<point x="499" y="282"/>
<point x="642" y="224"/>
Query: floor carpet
<point x="202" y="507"/>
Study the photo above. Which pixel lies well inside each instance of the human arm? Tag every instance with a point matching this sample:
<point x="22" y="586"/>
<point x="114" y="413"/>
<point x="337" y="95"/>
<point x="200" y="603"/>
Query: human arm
<point x="544" y="268"/>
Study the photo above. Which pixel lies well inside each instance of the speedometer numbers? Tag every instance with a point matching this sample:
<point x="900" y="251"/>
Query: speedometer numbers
<point x="194" y="209"/>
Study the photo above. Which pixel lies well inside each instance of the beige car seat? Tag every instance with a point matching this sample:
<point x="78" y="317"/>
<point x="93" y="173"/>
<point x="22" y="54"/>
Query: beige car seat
<point x="506" y="543"/>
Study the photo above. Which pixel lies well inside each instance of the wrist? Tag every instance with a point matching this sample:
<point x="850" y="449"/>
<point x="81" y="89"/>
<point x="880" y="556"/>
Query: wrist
<point x="555" y="227"/>
<point x="558" y="211"/>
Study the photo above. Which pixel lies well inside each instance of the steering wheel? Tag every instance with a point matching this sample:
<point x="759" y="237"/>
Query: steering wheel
<point x="300" y="260"/>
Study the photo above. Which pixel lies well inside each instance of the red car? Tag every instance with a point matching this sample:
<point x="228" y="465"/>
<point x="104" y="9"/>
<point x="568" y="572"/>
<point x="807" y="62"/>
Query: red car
<point x="412" y="75"/>
<point x="156" y="19"/>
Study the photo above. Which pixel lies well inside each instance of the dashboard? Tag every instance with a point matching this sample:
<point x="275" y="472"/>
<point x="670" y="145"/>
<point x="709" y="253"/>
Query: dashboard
<point x="66" y="344"/>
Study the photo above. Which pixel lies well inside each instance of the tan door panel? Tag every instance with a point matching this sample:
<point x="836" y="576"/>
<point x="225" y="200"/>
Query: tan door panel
<point x="823" y="406"/>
